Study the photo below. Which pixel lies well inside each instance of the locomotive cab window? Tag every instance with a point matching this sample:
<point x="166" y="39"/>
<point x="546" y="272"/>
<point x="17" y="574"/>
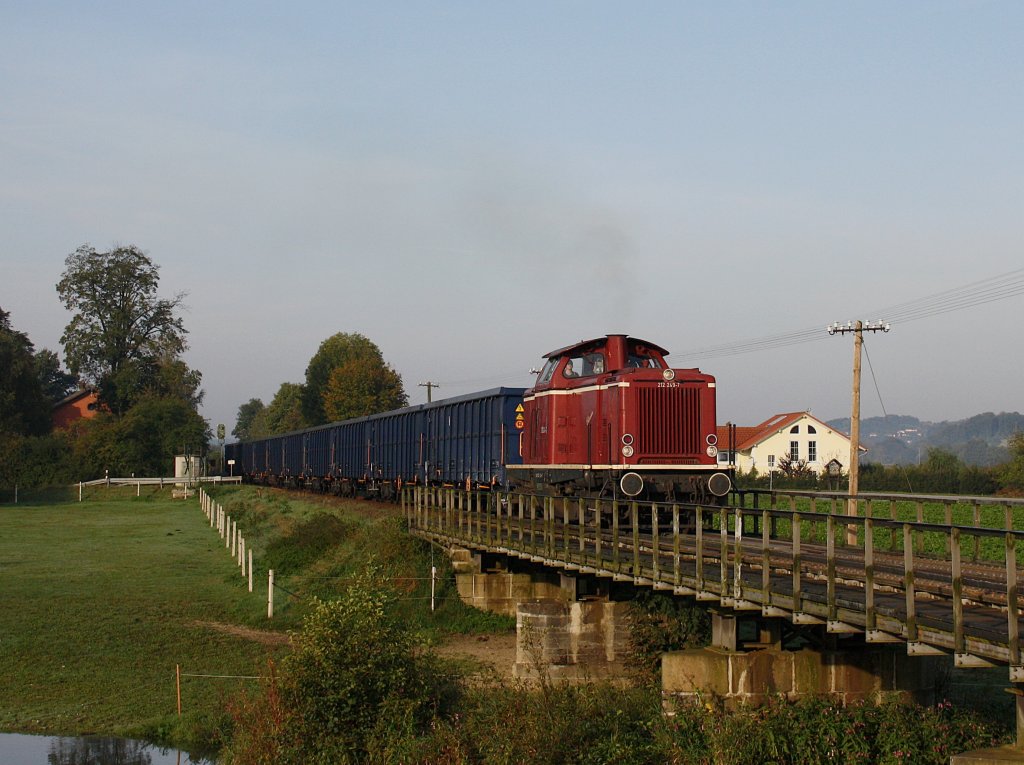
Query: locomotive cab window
<point x="585" y="365"/>
<point x="642" y="360"/>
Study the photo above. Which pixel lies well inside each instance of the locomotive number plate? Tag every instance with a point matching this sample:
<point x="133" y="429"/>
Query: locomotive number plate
<point x="668" y="385"/>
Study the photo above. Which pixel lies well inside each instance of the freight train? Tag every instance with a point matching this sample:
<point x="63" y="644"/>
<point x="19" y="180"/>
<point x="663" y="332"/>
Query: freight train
<point x="605" y="418"/>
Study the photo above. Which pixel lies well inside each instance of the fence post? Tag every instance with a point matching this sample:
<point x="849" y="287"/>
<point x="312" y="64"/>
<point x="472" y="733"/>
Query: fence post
<point x="433" y="581"/>
<point x="250" y="569"/>
<point x="270" y="594"/>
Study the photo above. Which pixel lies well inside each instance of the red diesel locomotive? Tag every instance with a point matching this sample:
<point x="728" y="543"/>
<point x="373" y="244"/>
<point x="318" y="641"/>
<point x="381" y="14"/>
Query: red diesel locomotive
<point x="610" y="417"/>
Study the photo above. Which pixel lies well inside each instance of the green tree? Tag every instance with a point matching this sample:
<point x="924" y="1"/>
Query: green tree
<point x="283" y="415"/>
<point x="247" y="414"/>
<point x="55" y="381"/>
<point x="35" y="461"/>
<point x="24" y="407"/>
<point x="156" y="429"/>
<point x="356" y="390"/>
<point x="352" y="350"/>
<point x="141" y="442"/>
<point x="171" y="377"/>
<point x="121" y="331"/>
<point x="1011" y="474"/>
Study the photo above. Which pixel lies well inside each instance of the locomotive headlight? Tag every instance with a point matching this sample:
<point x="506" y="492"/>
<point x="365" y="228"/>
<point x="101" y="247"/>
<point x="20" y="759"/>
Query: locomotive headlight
<point x="712" y="451"/>
<point x="627" y="451"/>
<point x="669" y="374"/>
<point x="627" y="439"/>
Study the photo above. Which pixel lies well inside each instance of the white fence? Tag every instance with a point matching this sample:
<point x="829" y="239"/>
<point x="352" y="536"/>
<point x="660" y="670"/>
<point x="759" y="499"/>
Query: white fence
<point x="189" y="481"/>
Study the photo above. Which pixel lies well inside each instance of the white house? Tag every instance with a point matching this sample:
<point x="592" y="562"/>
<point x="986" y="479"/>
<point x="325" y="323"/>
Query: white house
<point x="800" y="436"/>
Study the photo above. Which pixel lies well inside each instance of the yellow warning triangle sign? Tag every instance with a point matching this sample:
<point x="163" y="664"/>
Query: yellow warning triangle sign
<point x="520" y="408"/>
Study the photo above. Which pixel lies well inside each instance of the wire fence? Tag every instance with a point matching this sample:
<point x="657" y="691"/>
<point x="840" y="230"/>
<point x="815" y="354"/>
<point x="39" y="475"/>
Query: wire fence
<point x="235" y="542"/>
<point x="274" y="585"/>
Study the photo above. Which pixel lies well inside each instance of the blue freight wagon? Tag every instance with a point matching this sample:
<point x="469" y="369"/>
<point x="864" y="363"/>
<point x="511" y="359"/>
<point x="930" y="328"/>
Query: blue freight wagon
<point x="464" y="440"/>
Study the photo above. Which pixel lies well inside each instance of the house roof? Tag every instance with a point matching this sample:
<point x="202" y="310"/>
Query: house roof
<point x="75" y="396"/>
<point x="749" y="437"/>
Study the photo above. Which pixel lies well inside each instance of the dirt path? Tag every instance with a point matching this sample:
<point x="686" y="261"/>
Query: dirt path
<point x="258" y="636"/>
<point x="481" y="655"/>
<point x="485" y="657"/>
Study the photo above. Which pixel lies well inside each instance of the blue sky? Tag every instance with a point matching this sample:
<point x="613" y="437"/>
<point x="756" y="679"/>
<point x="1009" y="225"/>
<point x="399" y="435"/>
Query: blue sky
<point x="472" y="185"/>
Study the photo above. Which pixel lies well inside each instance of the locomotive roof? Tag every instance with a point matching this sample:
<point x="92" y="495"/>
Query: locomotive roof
<point x="582" y="344"/>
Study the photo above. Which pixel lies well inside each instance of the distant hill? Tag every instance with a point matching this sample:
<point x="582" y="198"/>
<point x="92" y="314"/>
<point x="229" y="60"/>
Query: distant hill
<point x="901" y="439"/>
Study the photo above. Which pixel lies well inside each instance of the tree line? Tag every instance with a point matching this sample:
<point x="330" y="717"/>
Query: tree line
<point x="347" y="377"/>
<point x="125" y="343"/>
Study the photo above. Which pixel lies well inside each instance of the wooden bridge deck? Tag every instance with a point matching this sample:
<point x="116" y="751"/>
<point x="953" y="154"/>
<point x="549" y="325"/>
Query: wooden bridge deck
<point x="937" y="587"/>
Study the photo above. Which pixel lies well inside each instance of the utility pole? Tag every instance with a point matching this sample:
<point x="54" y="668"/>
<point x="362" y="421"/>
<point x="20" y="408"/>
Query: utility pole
<point x="430" y="387"/>
<point x="858" y="331"/>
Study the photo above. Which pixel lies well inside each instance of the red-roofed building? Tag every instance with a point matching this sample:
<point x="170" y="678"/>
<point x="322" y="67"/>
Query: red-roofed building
<point x="798" y="436"/>
<point x="83" y="404"/>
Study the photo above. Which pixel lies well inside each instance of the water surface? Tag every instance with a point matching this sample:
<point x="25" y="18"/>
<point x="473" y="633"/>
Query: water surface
<point x="19" y="749"/>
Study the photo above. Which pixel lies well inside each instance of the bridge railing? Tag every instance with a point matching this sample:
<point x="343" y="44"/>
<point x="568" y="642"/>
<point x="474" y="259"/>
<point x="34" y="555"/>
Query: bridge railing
<point x="1004" y="513"/>
<point x="937" y="587"/>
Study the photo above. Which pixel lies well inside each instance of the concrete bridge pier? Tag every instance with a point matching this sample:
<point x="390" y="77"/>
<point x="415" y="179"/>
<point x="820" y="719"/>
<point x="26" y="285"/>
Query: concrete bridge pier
<point x="570" y="640"/>
<point x="1002" y="755"/>
<point x="751" y="671"/>
<point x="567" y="625"/>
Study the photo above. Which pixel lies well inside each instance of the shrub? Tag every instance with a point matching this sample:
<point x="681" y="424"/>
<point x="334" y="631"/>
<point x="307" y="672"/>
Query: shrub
<point x="660" y="623"/>
<point x="353" y="666"/>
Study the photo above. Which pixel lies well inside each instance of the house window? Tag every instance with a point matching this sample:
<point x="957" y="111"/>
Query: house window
<point x="812" y="451"/>
<point x="795" y="429"/>
<point x="771" y="461"/>
<point x="725" y="457"/>
<point x="794" y="451"/>
<point x="810" y="429"/>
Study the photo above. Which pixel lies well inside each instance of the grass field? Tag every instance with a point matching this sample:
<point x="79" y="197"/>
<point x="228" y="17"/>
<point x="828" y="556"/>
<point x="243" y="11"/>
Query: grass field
<point x="98" y="603"/>
<point x="100" y="600"/>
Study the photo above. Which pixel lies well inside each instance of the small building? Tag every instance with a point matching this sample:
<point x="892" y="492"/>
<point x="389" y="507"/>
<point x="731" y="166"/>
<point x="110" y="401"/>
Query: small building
<point x="83" y="404"/>
<point x="798" y="437"/>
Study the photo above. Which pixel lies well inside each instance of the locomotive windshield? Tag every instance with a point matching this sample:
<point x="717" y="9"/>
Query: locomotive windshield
<point x="642" y="360"/>
<point x="547" y="371"/>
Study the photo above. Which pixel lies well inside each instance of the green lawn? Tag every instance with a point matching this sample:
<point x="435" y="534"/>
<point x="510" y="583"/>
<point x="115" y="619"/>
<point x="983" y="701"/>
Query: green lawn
<point x="100" y="600"/>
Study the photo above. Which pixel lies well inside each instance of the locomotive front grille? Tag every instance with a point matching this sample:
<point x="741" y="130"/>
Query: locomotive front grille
<point x="668" y="420"/>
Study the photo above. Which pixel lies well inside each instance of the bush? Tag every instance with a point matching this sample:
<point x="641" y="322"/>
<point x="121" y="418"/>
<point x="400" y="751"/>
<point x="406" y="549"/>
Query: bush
<point x="353" y="670"/>
<point x="660" y="623"/>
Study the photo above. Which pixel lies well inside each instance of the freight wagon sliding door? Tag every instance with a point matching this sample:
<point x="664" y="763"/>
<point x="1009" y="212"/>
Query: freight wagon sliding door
<point x="318" y="452"/>
<point x="350" y="448"/>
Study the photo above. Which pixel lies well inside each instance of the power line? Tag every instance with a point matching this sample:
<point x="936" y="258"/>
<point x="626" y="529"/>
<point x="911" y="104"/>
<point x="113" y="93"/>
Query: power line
<point x="990" y="290"/>
<point x="878" y="392"/>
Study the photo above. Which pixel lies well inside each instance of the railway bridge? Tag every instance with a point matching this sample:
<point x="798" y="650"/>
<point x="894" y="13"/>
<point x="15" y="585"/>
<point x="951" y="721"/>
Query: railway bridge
<point x="809" y="592"/>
